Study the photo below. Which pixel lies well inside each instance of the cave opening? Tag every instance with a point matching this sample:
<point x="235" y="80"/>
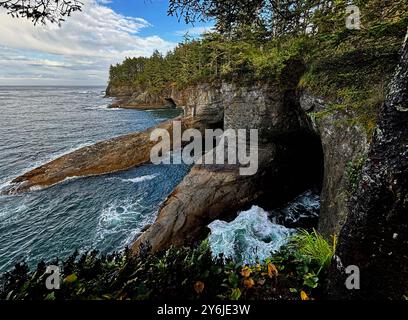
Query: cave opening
<point x="170" y="103"/>
<point x="297" y="182"/>
<point x="291" y="186"/>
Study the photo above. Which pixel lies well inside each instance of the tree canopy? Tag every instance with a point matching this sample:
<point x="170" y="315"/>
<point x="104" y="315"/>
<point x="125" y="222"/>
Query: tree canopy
<point x="279" y="17"/>
<point x="256" y="38"/>
<point x="54" y="11"/>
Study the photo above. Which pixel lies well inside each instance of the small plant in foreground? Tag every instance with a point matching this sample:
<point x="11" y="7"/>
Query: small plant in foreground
<point x="191" y="273"/>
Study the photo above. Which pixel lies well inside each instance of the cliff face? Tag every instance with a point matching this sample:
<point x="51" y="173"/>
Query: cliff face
<point x="129" y="97"/>
<point x="297" y="151"/>
<point x="289" y="155"/>
<point x="375" y="235"/>
<point x="343" y="144"/>
<point x="121" y="91"/>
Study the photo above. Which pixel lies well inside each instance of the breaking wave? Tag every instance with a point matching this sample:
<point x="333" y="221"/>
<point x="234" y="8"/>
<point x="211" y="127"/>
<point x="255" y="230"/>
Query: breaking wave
<point x="251" y="237"/>
<point x="141" y="179"/>
<point x="255" y="234"/>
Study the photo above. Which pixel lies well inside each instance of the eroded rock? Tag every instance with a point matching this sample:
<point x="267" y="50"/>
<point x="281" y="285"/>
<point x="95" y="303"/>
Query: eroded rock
<point x="375" y="235"/>
<point x="205" y="194"/>
<point x="113" y="155"/>
<point x="342" y="144"/>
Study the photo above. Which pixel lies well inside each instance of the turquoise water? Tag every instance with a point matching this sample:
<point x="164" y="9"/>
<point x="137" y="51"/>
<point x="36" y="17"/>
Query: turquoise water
<point x="255" y="234"/>
<point x="103" y="212"/>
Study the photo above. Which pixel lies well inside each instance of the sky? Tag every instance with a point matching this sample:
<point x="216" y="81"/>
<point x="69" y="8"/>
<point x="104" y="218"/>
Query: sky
<point x="80" y="51"/>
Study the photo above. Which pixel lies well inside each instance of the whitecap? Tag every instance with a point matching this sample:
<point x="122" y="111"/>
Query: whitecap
<point x="250" y="238"/>
<point x="141" y="179"/>
<point x="304" y="209"/>
<point x="36" y="188"/>
<point x="119" y="218"/>
<point x="5" y="186"/>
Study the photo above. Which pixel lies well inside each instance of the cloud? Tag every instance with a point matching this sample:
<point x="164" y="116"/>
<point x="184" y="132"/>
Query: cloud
<point x="80" y="50"/>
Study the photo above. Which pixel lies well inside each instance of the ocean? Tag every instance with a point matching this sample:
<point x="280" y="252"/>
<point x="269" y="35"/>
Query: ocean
<point x="106" y="213"/>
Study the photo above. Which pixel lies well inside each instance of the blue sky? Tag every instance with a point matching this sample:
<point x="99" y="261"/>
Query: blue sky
<point x="155" y="12"/>
<point x="82" y="49"/>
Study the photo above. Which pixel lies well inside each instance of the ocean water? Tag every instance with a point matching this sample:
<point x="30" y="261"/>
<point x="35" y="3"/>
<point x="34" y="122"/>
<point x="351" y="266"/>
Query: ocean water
<point x="250" y="238"/>
<point x="38" y="124"/>
<point x="254" y="235"/>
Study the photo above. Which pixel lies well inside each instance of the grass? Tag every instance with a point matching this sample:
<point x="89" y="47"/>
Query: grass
<point x="312" y="246"/>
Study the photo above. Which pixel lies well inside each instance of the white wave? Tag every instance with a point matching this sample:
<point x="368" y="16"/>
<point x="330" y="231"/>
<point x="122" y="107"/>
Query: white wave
<point x="251" y="237"/>
<point x="5" y="185"/>
<point x="141" y="179"/>
<point x="99" y="107"/>
<point x="304" y="207"/>
<point x="121" y="217"/>
<point x="36" y="188"/>
<point x="53" y="156"/>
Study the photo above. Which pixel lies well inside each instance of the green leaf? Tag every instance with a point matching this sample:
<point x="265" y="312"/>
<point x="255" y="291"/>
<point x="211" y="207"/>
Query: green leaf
<point x="233" y="280"/>
<point x="311" y="280"/>
<point x="50" y="296"/>
<point x="235" y="294"/>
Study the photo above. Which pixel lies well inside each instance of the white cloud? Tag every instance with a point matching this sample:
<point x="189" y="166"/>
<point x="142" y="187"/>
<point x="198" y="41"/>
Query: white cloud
<point x="80" y="50"/>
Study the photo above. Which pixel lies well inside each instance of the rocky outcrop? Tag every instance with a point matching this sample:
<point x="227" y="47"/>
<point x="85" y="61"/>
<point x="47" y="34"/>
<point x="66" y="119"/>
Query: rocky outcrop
<point x="119" y="91"/>
<point x="209" y="192"/>
<point x="204" y="102"/>
<point x="206" y="193"/>
<point x="201" y="100"/>
<point x="128" y="97"/>
<point x="342" y="144"/>
<point x="124" y="152"/>
<point x="150" y="100"/>
<point x="274" y="112"/>
<point x="117" y="154"/>
<point x="375" y="235"/>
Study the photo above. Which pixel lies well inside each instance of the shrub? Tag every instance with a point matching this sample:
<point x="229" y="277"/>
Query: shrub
<point x="312" y="246"/>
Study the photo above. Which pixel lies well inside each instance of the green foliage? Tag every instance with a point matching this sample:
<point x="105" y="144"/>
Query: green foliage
<point x="213" y="58"/>
<point x="312" y="246"/>
<point x="348" y="68"/>
<point x="354" y="172"/>
<point x="190" y="273"/>
<point x="351" y="68"/>
<point x="307" y="256"/>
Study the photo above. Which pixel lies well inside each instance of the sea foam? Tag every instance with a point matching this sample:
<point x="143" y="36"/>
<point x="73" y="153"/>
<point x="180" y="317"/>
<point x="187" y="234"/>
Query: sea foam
<point x="250" y="238"/>
<point x="141" y="179"/>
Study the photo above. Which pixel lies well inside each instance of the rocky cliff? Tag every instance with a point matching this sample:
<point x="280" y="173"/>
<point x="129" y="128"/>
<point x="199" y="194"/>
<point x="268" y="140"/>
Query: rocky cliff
<point x="129" y="97"/>
<point x="375" y="235"/>
<point x="298" y="148"/>
<point x="290" y="160"/>
<point x="343" y="145"/>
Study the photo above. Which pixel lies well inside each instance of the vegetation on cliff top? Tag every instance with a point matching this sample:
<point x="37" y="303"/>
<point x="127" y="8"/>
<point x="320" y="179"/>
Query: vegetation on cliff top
<point x="295" y="273"/>
<point x="259" y="40"/>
